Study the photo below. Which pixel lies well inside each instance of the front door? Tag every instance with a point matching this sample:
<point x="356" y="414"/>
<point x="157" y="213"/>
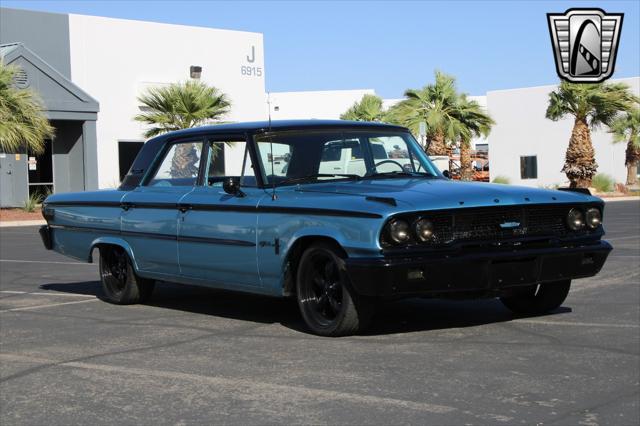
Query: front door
<point x="217" y="231"/>
<point x="151" y="211"/>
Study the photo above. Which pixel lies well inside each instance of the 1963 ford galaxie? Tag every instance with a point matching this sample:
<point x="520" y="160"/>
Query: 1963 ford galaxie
<point x="337" y="214"/>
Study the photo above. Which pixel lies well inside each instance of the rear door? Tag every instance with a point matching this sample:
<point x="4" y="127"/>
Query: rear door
<point x="151" y="211"/>
<point x="217" y="231"/>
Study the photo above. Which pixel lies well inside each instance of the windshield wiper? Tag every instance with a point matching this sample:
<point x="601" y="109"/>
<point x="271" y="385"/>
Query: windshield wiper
<point x="315" y="176"/>
<point x="398" y="173"/>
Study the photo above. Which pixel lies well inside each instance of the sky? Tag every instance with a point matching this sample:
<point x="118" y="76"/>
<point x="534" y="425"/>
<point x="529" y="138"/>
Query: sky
<point x="383" y="45"/>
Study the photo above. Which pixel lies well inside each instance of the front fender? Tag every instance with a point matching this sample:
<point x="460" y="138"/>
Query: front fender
<point x="351" y="247"/>
<point x="115" y="241"/>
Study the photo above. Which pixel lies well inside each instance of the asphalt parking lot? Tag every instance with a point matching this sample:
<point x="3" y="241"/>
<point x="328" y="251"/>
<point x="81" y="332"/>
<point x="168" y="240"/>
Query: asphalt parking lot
<point x="196" y="356"/>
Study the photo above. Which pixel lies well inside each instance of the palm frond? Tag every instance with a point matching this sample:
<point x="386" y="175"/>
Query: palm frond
<point x="181" y="106"/>
<point x="23" y="125"/>
<point x="369" y="108"/>
<point x="626" y="127"/>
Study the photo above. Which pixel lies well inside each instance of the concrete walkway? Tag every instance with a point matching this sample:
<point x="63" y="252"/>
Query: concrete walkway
<point x="13" y="223"/>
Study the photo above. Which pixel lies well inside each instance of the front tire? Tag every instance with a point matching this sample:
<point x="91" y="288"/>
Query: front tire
<point x="537" y="299"/>
<point x="120" y="284"/>
<point x="326" y="301"/>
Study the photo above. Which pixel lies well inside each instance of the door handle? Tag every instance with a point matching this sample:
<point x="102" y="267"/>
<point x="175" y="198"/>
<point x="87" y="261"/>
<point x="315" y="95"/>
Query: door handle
<point x="184" y="207"/>
<point x="126" y="206"/>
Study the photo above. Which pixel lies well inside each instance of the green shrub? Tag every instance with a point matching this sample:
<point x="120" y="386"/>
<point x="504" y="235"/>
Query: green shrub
<point x="32" y="202"/>
<point x="603" y="182"/>
<point x="501" y="179"/>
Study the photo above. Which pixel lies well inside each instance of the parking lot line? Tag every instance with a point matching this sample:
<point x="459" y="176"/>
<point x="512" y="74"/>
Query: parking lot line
<point x="576" y="324"/>
<point x="50" y="305"/>
<point x="42" y="293"/>
<point x="245" y="386"/>
<point x="45" y="261"/>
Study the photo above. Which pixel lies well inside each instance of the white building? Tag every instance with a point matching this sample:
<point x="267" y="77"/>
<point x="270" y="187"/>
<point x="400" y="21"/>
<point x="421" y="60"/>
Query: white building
<point x="327" y="104"/>
<point x="115" y="60"/>
<point x="522" y="131"/>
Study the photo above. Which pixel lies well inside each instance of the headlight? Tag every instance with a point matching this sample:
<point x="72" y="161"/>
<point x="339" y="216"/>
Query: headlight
<point x="575" y="220"/>
<point x="594" y="218"/>
<point x="424" y="229"/>
<point x="399" y="231"/>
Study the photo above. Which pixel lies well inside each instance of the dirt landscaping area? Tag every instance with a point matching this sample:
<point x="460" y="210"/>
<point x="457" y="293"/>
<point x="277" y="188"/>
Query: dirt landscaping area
<point x="9" y="215"/>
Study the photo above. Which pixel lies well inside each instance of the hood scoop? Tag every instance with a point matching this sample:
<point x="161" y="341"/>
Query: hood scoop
<point x="385" y="200"/>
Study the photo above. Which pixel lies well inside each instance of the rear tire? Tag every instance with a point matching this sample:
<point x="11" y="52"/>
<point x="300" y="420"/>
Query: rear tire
<point x="537" y="299"/>
<point x="327" y="303"/>
<point x="120" y="284"/>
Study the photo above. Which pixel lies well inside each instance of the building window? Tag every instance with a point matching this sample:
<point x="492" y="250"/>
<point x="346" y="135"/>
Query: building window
<point x="529" y="167"/>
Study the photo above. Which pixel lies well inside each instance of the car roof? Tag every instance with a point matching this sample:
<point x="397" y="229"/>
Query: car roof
<point x="152" y="147"/>
<point x="262" y="126"/>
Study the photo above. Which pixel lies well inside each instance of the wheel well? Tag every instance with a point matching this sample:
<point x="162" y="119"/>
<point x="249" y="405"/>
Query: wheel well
<point x="101" y="246"/>
<point x="294" y="255"/>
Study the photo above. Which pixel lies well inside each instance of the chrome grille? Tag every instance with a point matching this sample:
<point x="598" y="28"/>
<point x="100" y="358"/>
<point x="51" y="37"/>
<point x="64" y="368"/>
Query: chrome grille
<point x="468" y="225"/>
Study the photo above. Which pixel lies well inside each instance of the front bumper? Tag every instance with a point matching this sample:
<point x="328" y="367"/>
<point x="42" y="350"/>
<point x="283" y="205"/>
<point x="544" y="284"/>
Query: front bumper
<point x="487" y="272"/>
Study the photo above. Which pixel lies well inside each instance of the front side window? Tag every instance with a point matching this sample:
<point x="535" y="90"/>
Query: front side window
<point x="229" y="158"/>
<point x="179" y="166"/>
<point x="311" y="156"/>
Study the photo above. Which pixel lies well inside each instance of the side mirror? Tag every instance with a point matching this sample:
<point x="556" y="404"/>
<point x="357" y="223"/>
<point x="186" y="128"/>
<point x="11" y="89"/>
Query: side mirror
<point x="231" y="186"/>
<point x="447" y="174"/>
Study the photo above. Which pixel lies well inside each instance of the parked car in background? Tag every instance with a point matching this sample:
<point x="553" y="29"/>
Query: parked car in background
<point x="352" y="214"/>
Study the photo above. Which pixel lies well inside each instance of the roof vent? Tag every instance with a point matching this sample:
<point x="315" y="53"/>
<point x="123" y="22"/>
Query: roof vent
<point x="21" y="79"/>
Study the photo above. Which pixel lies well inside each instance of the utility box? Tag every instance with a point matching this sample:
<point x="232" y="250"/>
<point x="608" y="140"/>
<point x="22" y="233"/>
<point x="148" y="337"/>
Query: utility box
<point x="14" y="180"/>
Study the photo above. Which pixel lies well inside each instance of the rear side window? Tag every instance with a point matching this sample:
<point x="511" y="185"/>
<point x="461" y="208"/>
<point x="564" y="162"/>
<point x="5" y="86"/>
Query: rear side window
<point x="180" y="165"/>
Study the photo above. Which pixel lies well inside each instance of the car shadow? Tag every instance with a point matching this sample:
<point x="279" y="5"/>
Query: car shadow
<point x="404" y="316"/>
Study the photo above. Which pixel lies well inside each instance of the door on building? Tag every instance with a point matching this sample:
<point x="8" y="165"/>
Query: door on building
<point x="127" y="152"/>
<point x="40" y="170"/>
<point x="13" y="180"/>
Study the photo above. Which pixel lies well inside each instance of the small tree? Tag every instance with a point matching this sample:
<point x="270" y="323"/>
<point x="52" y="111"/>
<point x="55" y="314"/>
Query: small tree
<point x="23" y="125"/>
<point x="626" y="128"/>
<point x="182" y="106"/>
<point x="475" y="122"/>
<point x="434" y="105"/>
<point x="591" y="105"/>
<point x="369" y="108"/>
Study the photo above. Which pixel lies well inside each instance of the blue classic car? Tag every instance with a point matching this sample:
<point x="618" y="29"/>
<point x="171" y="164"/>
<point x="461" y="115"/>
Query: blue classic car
<point x="339" y="215"/>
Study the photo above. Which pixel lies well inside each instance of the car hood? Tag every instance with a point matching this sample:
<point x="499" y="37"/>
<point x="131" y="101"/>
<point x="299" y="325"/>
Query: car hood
<point x="442" y="193"/>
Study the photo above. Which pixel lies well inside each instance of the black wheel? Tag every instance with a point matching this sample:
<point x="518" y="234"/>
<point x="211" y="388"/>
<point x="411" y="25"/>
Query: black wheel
<point x="120" y="284"/>
<point x="326" y="301"/>
<point x="537" y="299"/>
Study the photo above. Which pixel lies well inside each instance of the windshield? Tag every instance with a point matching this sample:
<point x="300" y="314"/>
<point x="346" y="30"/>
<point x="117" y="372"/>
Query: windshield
<point x="317" y="156"/>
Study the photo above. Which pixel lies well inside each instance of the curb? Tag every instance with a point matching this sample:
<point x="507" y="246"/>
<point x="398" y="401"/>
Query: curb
<point x="14" y="223"/>
<point x="613" y="199"/>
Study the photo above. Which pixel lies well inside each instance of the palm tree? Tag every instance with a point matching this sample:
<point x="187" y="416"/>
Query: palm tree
<point x="591" y="105"/>
<point x="434" y="105"/>
<point x="181" y="106"/>
<point x="23" y="125"/>
<point x="475" y="122"/>
<point x="368" y="109"/>
<point x="626" y="128"/>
